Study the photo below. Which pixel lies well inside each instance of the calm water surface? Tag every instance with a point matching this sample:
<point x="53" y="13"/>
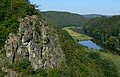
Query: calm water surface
<point x="90" y="44"/>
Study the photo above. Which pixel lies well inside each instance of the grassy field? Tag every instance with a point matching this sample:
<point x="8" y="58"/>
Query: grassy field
<point x="75" y="35"/>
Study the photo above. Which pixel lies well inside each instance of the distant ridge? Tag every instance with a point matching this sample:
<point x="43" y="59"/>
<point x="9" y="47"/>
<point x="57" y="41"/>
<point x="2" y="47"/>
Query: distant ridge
<point x="63" y="19"/>
<point x="90" y="16"/>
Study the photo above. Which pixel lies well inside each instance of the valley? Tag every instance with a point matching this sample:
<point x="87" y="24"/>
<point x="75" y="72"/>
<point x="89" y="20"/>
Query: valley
<point x="82" y="39"/>
<point x="91" y="42"/>
<point x="93" y="47"/>
<point x="105" y="54"/>
<point x="35" y="43"/>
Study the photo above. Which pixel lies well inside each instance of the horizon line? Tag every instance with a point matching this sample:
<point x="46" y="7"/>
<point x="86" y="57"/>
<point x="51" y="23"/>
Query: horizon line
<point x="77" y="12"/>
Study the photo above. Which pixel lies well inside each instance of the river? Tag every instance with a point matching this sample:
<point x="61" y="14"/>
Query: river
<point x="90" y="44"/>
<point x="94" y="45"/>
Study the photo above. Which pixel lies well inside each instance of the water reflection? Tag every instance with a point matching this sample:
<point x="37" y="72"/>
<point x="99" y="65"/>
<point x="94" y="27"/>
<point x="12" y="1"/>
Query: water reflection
<point x="90" y="44"/>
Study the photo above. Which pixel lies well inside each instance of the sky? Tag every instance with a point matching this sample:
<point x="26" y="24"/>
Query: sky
<point x="105" y="7"/>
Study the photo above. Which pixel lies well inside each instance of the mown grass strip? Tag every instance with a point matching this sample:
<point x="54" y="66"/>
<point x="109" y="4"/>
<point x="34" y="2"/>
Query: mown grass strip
<point x="76" y="36"/>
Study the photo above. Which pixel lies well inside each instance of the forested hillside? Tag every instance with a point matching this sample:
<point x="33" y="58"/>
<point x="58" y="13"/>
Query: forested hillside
<point x="107" y="29"/>
<point x="91" y="16"/>
<point x="64" y="19"/>
<point x="11" y="11"/>
<point x="29" y="47"/>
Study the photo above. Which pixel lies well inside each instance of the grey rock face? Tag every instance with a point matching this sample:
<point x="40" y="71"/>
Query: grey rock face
<point x="36" y="41"/>
<point x="10" y="72"/>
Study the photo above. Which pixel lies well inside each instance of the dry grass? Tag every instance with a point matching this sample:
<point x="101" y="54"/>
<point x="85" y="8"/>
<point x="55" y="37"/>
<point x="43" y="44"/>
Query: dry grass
<point x="77" y="36"/>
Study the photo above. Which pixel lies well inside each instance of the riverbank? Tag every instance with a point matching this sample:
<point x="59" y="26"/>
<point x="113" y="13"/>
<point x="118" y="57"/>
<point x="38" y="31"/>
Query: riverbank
<point x="75" y="35"/>
<point x="113" y="60"/>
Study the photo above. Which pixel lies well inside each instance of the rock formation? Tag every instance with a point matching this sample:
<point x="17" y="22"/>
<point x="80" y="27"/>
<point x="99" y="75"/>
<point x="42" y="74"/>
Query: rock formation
<point x="36" y="41"/>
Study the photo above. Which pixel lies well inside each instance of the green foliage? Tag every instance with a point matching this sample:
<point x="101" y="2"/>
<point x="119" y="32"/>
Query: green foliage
<point x="37" y="29"/>
<point x="64" y="19"/>
<point x="94" y="55"/>
<point x="23" y="67"/>
<point x="11" y="11"/>
<point x="67" y="45"/>
<point x="40" y="73"/>
<point x="54" y="73"/>
<point x="2" y="73"/>
<point x="106" y="29"/>
<point x="81" y="63"/>
<point x="24" y="63"/>
<point x="107" y="67"/>
<point x="91" y="16"/>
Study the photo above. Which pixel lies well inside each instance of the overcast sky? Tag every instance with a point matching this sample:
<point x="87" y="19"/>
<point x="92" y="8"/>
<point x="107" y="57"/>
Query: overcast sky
<point x="106" y="7"/>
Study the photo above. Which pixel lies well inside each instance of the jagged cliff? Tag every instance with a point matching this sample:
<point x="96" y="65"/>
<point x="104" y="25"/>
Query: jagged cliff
<point x="36" y="41"/>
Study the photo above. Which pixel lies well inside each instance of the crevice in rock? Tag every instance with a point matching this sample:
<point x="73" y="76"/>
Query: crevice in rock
<point x="41" y="52"/>
<point x="13" y="60"/>
<point x="27" y="54"/>
<point x="28" y="40"/>
<point x="48" y="40"/>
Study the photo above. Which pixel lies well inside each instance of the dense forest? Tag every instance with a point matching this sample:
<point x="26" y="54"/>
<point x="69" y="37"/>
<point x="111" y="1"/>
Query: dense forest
<point x="64" y="19"/>
<point x="80" y="61"/>
<point x="91" y="16"/>
<point x="107" y="29"/>
<point x="10" y="11"/>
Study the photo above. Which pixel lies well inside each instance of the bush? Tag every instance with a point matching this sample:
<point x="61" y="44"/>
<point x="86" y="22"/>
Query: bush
<point x="54" y="73"/>
<point x="94" y="55"/>
<point x="2" y="73"/>
<point x="108" y="68"/>
<point x="23" y="67"/>
<point x="40" y="73"/>
<point x="9" y="17"/>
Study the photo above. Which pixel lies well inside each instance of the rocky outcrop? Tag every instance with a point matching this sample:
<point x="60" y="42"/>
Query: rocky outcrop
<point x="10" y="73"/>
<point x="36" y="41"/>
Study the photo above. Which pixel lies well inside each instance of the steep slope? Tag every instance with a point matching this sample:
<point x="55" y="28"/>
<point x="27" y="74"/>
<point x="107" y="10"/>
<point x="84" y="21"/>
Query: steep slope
<point x="106" y="29"/>
<point x="35" y="49"/>
<point x="44" y="47"/>
<point x="114" y="58"/>
<point x="64" y="19"/>
<point x="95" y="63"/>
<point x="36" y="41"/>
<point x="10" y="13"/>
